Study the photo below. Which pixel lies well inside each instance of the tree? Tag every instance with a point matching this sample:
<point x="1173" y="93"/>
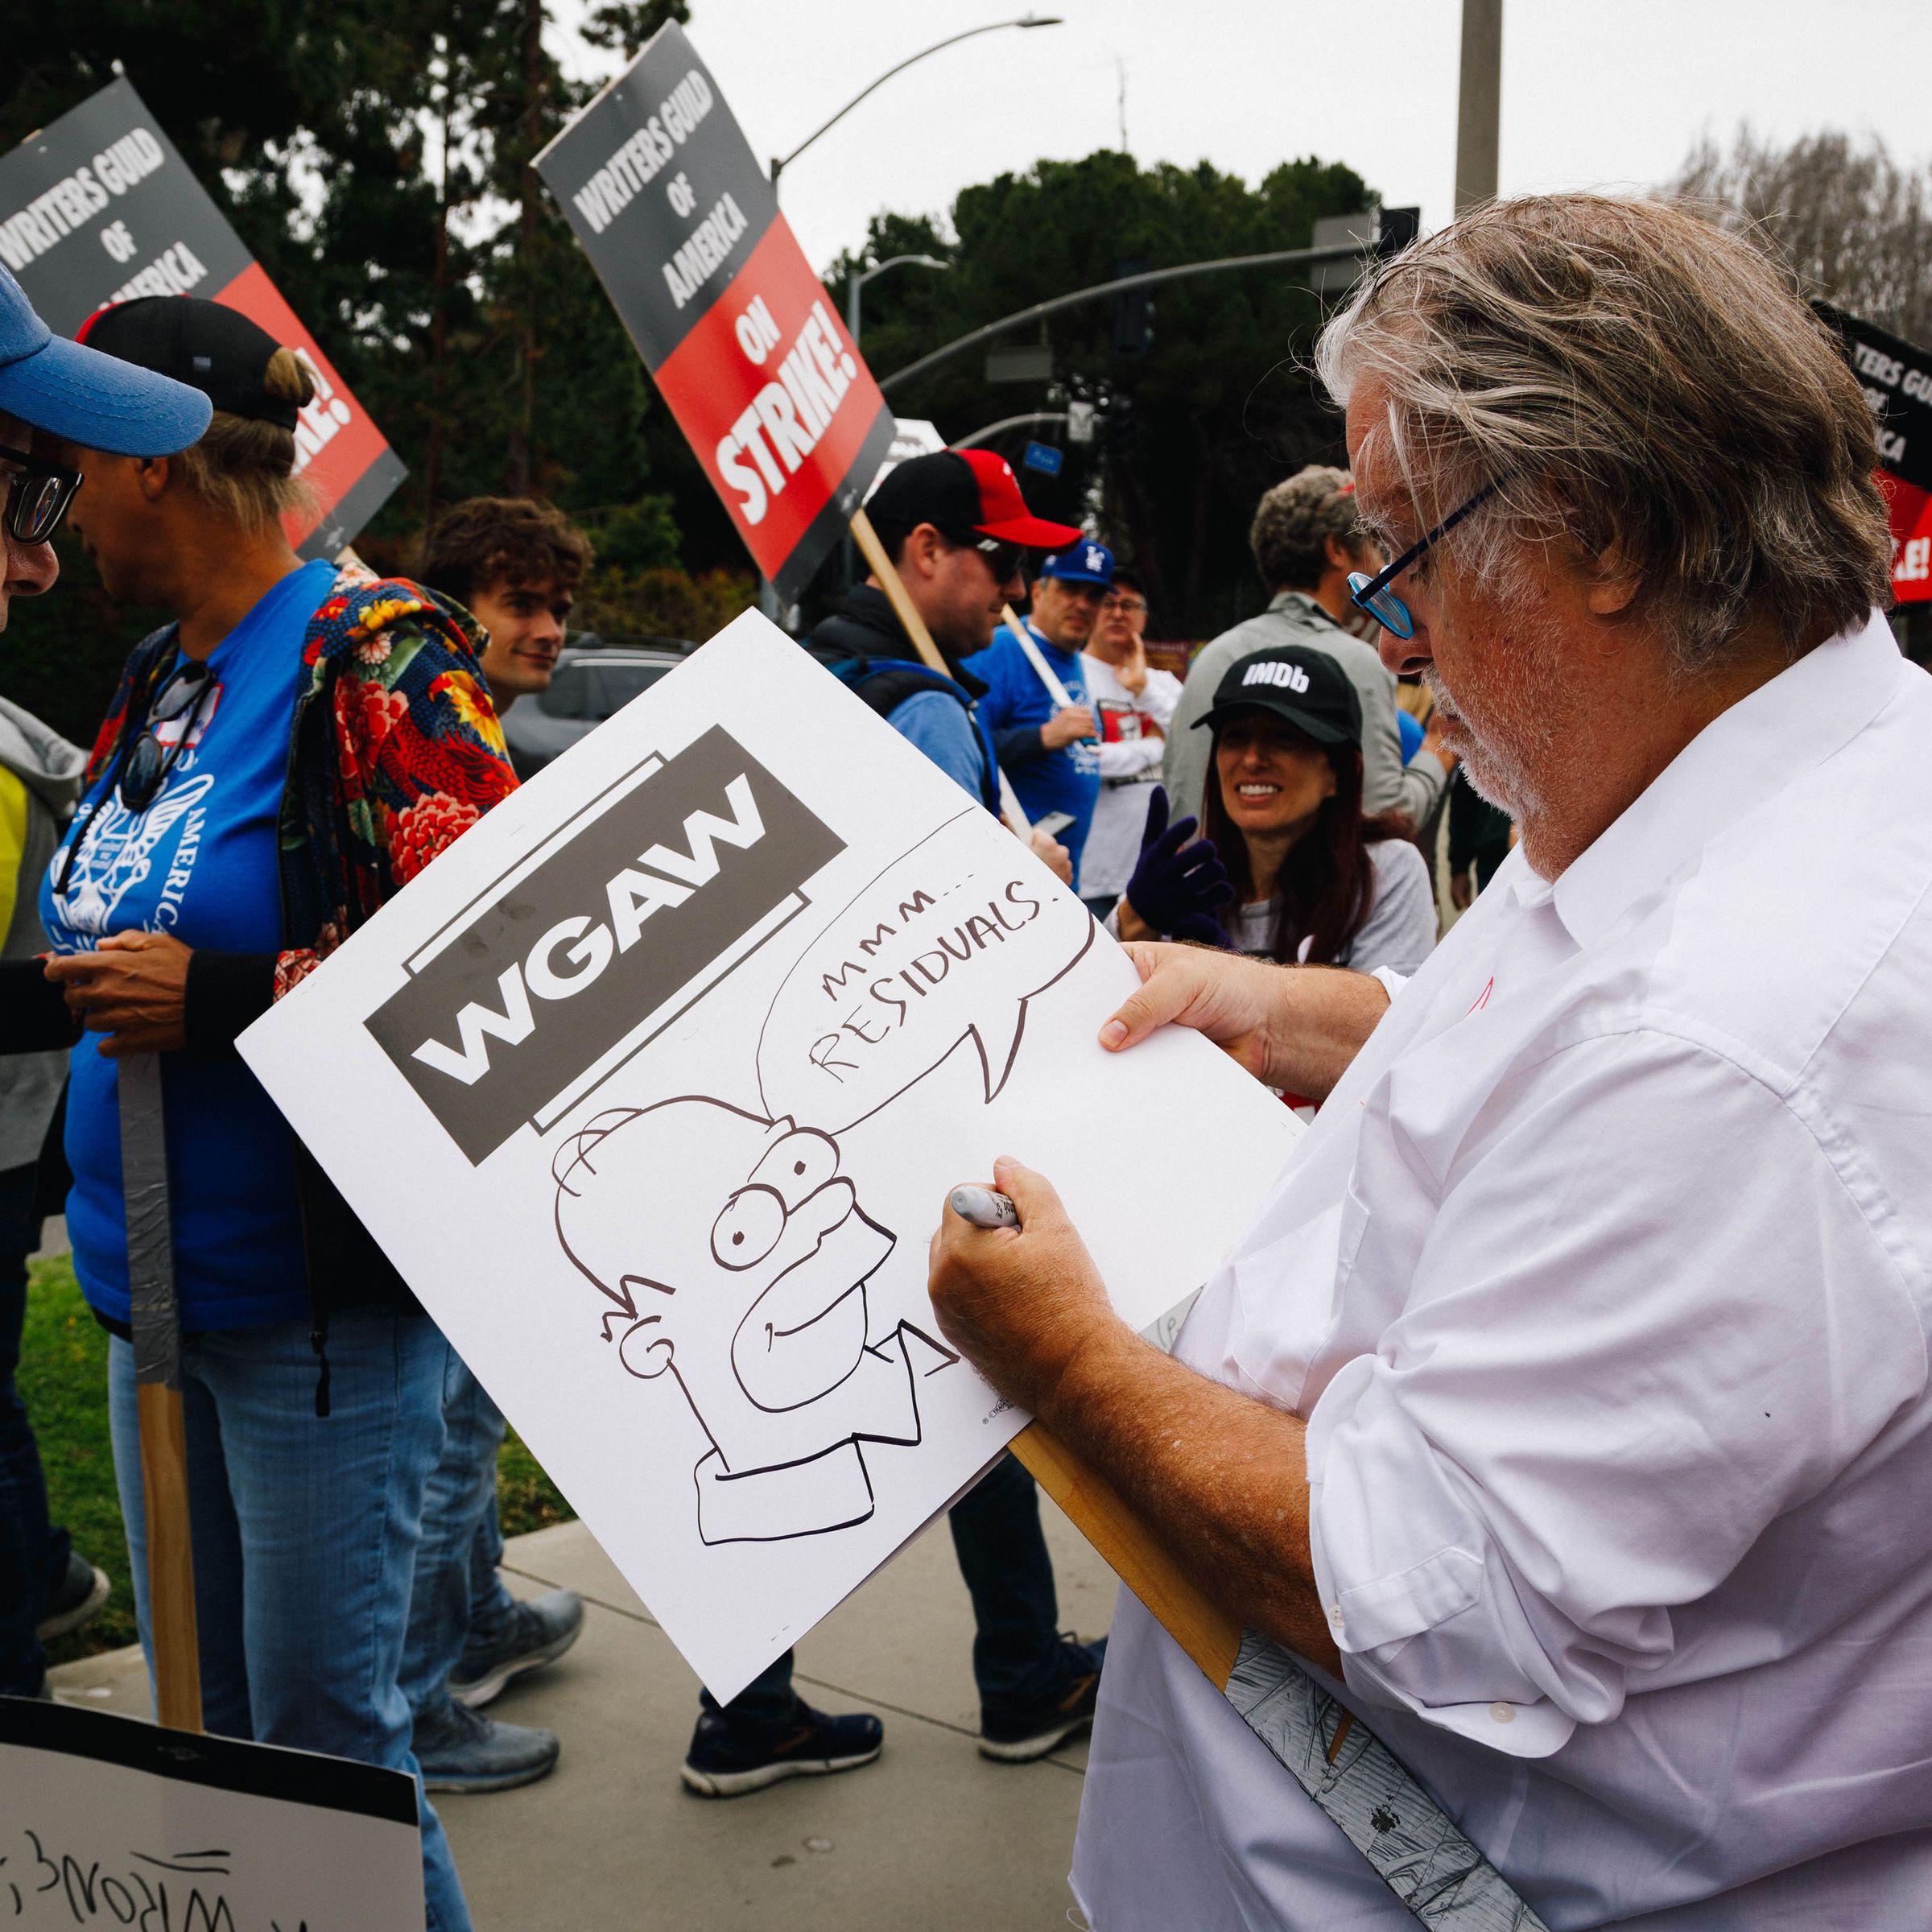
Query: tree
<point x="373" y="154"/>
<point x="1855" y="226"/>
<point x="1200" y="421"/>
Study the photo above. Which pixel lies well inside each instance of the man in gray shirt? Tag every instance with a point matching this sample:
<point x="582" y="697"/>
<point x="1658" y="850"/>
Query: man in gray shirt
<point x="1306" y="541"/>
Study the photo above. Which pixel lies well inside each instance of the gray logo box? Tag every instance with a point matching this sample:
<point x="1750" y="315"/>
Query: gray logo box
<point x="680" y="950"/>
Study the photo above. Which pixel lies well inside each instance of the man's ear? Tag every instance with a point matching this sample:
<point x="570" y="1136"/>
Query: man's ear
<point x="1614" y="582"/>
<point x="919" y="555"/>
<point x="151" y="475"/>
<point x="1340" y="555"/>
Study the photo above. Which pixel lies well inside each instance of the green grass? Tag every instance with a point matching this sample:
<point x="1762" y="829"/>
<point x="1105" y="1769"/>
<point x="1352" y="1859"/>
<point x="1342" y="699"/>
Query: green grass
<point x="64" y="1377"/>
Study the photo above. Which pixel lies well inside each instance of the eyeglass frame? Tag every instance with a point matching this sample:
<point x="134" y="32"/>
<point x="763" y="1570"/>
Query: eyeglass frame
<point x="184" y="673"/>
<point x="1363" y="589"/>
<point x="27" y="464"/>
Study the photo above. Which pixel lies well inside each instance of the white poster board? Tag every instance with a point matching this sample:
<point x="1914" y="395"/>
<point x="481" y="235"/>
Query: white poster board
<point x="653" y="1086"/>
<point x="106" y="1821"/>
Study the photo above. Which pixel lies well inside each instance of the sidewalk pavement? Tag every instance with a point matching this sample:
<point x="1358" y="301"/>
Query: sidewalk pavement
<point x="931" y="1836"/>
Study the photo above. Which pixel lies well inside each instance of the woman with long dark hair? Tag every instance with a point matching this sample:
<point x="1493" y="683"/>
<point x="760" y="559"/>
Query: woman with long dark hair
<point x="1314" y="881"/>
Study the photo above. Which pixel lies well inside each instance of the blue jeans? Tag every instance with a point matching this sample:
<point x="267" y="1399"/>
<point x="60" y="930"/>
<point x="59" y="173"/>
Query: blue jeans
<point x="323" y="1516"/>
<point x="459" y="1598"/>
<point x="33" y="1556"/>
<point x="1002" y="1555"/>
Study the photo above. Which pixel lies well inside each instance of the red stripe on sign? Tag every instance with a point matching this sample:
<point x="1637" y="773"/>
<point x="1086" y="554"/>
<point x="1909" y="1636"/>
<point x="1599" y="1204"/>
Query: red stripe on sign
<point x="335" y="442"/>
<point x="773" y="397"/>
<point x="1910" y="511"/>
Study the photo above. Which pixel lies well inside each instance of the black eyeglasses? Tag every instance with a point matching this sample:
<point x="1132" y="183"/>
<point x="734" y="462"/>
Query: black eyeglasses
<point x="1373" y="594"/>
<point x="37" y="494"/>
<point x="145" y="762"/>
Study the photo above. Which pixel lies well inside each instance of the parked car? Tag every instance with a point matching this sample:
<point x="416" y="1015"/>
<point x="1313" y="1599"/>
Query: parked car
<point x="595" y="678"/>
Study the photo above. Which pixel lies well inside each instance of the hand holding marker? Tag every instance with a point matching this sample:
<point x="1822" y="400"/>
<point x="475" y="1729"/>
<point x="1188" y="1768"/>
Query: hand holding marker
<point x="983" y="1207"/>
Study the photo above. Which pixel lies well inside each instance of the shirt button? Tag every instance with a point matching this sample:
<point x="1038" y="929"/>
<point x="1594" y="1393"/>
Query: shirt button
<point x="1504" y="1714"/>
<point x="1335" y="1615"/>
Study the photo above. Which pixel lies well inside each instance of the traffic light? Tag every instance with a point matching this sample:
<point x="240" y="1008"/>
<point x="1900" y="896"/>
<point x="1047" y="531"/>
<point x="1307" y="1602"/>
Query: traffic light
<point x="1395" y="229"/>
<point x="1132" y="311"/>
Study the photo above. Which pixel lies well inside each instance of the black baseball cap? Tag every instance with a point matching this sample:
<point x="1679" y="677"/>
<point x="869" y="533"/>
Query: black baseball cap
<point x="955" y="489"/>
<point x="1305" y="686"/>
<point x="206" y="345"/>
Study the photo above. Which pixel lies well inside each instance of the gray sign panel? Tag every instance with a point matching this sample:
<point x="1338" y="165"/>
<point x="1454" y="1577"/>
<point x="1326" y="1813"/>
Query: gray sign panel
<point x="569" y="963"/>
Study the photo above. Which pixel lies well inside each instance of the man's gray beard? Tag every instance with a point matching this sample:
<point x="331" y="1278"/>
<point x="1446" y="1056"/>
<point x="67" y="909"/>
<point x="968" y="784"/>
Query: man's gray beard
<point x="1491" y="774"/>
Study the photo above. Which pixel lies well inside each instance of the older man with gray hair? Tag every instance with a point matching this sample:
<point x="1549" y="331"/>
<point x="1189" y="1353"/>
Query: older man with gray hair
<point x="1567" y="1406"/>
<point x="1307" y="538"/>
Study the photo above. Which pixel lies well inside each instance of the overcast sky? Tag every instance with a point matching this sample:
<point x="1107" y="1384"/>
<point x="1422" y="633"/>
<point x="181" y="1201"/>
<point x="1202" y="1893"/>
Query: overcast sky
<point x="1595" y="92"/>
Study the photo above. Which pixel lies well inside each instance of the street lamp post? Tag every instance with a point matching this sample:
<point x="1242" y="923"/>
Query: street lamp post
<point x="858" y="279"/>
<point x="780" y="162"/>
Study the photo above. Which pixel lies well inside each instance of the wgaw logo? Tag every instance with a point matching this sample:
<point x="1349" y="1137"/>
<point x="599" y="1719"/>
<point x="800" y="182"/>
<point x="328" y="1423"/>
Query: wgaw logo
<point x="1291" y="676"/>
<point x="600" y="945"/>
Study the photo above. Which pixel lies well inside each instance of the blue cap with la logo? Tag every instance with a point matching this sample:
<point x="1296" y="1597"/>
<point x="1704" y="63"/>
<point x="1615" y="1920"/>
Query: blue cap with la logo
<point x="1083" y="562"/>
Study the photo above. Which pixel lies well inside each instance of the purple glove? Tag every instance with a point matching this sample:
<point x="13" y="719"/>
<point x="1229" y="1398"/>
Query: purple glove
<point x="1176" y="886"/>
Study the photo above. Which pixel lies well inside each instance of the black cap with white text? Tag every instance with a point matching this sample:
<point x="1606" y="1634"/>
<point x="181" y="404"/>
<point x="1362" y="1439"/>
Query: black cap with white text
<point x="1294" y="682"/>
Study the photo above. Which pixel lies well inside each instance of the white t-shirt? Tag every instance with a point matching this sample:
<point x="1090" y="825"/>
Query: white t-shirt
<point x="1130" y="765"/>
<point x="1604" y="1279"/>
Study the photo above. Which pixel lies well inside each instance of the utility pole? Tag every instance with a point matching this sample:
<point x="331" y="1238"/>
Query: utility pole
<point x="1478" y="95"/>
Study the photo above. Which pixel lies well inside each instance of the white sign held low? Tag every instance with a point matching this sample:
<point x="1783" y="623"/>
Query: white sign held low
<point x="654" y="1086"/>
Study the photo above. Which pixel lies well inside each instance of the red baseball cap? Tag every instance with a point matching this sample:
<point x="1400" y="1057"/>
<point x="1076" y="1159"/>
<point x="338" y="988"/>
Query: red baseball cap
<point x="965" y="489"/>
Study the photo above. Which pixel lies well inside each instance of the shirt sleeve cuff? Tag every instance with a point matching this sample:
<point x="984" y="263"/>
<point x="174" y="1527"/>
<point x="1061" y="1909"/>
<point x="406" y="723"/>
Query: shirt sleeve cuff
<point x="1393" y="982"/>
<point x="1404" y="1568"/>
<point x="226" y="991"/>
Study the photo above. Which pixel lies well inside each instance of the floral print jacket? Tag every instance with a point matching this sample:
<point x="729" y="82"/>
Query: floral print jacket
<point x="396" y="750"/>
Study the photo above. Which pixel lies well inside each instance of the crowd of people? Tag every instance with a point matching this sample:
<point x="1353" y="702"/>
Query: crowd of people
<point x="1513" y="1525"/>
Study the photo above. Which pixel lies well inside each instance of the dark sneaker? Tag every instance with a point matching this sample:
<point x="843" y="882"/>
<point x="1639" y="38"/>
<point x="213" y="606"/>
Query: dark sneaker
<point x="1016" y="1734"/>
<point x="727" y="1759"/>
<point x="459" y="1751"/>
<point x="77" y="1598"/>
<point x="534" y="1634"/>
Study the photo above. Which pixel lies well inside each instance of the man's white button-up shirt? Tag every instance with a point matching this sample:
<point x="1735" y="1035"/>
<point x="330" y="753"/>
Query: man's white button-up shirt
<point x="1603" y="1280"/>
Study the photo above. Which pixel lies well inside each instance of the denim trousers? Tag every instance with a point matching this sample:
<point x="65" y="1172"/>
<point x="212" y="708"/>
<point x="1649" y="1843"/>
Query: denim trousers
<point x="321" y="1516"/>
<point x="459" y="1598"/>
<point x="1002" y="1555"/>
<point x="33" y="1556"/>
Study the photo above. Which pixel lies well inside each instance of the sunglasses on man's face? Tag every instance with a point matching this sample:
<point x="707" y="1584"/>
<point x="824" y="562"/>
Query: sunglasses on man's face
<point x="1003" y="559"/>
<point x="37" y="494"/>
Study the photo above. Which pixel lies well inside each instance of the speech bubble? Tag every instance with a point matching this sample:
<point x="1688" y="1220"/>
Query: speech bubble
<point x="948" y="943"/>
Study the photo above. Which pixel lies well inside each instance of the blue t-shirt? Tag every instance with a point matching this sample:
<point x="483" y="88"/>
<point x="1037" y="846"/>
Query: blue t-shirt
<point x="199" y="863"/>
<point x="1066" y="779"/>
<point x="942" y="729"/>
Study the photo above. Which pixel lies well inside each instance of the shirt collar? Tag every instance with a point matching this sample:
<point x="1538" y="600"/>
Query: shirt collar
<point x="1785" y="728"/>
<point x="1302" y="601"/>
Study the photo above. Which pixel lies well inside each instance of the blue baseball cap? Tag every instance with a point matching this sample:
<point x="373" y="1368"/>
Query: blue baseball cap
<point x="84" y="397"/>
<point x="1085" y="563"/>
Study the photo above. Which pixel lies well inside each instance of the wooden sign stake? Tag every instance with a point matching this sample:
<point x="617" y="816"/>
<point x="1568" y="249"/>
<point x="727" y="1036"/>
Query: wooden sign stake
<point x="155" y="1319"/>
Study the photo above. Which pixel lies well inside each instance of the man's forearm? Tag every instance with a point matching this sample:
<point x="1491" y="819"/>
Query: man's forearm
<point x="1218" y="1479"/>
<point x="1323" y="1014"/>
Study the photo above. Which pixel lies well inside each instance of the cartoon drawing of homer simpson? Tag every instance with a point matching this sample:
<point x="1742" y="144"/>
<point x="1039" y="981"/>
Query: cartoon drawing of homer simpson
<point x="737" y="1257"/>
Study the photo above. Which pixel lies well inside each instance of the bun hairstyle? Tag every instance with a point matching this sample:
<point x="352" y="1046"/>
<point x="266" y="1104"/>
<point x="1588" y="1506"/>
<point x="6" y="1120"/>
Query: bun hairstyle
<point x="244" y="468"/>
